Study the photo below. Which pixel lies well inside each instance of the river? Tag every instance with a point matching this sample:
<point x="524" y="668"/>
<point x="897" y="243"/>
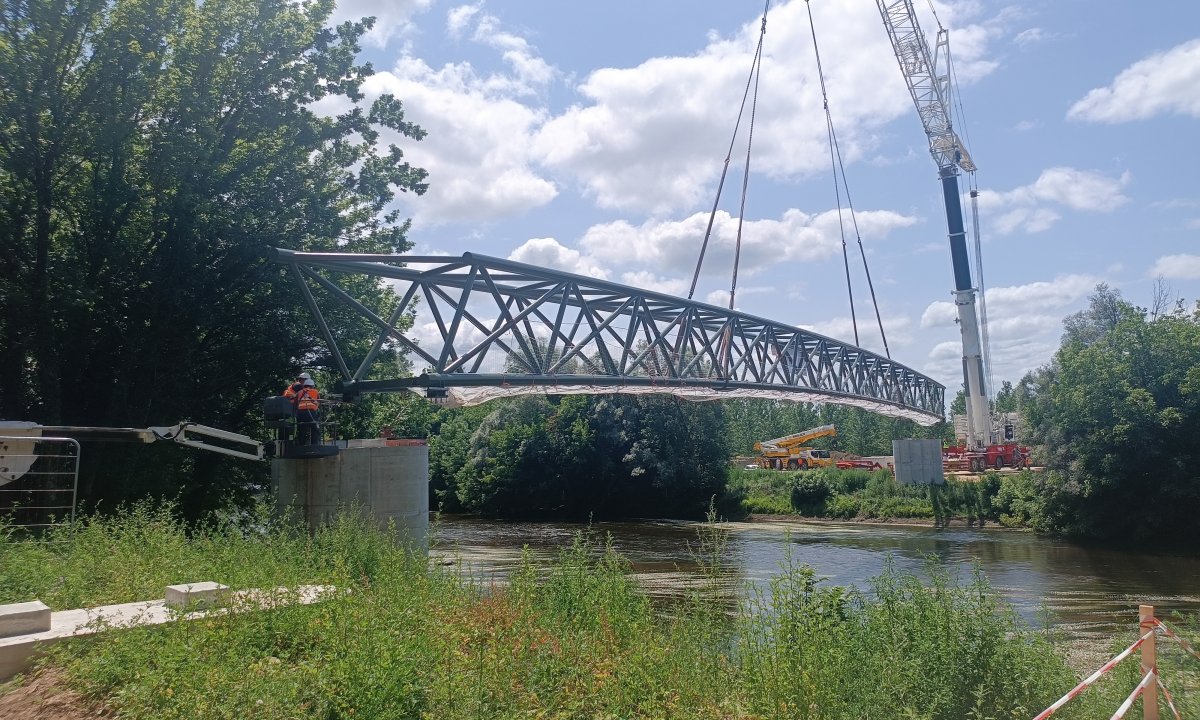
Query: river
<point x="1088" y="594"/>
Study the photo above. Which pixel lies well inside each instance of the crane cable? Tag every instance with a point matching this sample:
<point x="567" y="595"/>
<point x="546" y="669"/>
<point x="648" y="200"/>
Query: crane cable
<point x="835" y="159"/>
<point x="755" y="65"/>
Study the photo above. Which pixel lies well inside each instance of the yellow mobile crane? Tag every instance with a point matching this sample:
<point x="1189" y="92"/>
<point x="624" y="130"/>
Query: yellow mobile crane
<point x="786" y="452"/>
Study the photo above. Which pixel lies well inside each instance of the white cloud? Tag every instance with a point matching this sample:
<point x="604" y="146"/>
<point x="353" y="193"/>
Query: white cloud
<point x="392" y="19"/>
<point x="939" y="314"/>
<point x="1024" y="326"/>
<point x="647" y="280"/>
<point x="897" y="327"/>
<point x="477" y="147"/>
<point x="1032" y="36"/>
<point x="720" y="298"/>
<point x="1031" y="208"/>
<point x="1027" y="125"/>
<point x="651" y="137"/>
<point x="549" y="253"/>
<point x="530" y="71"/>
<point x="458" y="18"/>
<point x="648" y="137"/>
<point x="674" y="244"/>
<point x="1177" y="267"/>
<point x="1163" y="83"/>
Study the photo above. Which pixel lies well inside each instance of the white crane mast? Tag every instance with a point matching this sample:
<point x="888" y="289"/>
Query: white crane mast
<point x="930" y="90"/>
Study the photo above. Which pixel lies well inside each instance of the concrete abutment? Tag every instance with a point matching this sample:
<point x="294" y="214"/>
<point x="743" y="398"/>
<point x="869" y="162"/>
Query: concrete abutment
<point x="388" y="479"/>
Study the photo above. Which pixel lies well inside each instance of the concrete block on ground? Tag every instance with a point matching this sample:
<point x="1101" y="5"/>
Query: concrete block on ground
<point x="918" y="462"/>
<point x="24" y="618"/>
<point x="194" y="595"/>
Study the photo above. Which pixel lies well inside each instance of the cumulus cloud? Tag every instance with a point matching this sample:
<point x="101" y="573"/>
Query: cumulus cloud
<point x="647" y="138"/>
<point x="648" y="280"/>
<point x="392" y="19"/>
<point x="673" y="244"/>
<point x="1160" y="84"/>
<point x="1177" y="267"/>
<point x="1034" y="208"/>
<point x="1024" y="323"/>
<point x="650" y="137"/>
<point x="549" y="253"/>
<point x="897" y="327"/>
<point x="477" y="147"/>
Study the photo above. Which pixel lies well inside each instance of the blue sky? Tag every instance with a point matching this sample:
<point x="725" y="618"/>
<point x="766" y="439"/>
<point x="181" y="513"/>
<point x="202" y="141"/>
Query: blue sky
<point x="590" y="137"/>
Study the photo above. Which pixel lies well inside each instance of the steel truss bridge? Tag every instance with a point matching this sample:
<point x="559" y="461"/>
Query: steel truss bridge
<point x="505" y="328"/>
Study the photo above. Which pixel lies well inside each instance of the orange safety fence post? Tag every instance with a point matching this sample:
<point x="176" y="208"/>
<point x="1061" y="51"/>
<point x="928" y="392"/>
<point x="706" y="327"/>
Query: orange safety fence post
<point x="1147" y="623"/>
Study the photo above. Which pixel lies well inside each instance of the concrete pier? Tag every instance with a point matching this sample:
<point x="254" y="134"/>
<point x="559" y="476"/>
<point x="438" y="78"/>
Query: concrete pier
<point x="389" y="479"/>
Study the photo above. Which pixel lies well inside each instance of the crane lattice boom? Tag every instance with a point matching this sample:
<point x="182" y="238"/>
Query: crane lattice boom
<point x="930" y="88"/>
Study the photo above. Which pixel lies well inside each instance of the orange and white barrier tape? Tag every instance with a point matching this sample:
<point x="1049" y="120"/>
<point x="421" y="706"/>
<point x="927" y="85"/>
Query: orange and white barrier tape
<point x="1093" y="677"/>
<point x="1167" y="695"/>
<point x="1120" y="713"/>
<point x="1171" y="633"/>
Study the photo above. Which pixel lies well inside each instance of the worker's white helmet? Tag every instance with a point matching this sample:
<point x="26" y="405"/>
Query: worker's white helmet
<point x="304" y="376"/>
<point x="309" y="383"/>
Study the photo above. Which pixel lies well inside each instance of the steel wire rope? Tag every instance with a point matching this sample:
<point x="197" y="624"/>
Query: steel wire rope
<point x="727" y="341"/>
<point x="754" y="65"/>
<point x="835" y="158"/>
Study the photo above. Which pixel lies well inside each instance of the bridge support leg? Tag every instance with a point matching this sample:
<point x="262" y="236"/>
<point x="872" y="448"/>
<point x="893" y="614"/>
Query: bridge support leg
<point x="386" y="479"/>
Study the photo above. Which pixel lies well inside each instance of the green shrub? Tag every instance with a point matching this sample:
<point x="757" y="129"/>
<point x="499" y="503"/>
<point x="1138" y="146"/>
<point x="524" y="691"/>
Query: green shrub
<point x="842" y="506"/>
<point x="1019" y="501"/>
<point x="809" y="491"/>
<point x="767" y="505"/>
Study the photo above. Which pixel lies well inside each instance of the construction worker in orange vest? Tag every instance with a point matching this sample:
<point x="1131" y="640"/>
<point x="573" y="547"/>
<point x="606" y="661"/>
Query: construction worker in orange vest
<point x="294" y="388"/>
<point x="306" y="403"/>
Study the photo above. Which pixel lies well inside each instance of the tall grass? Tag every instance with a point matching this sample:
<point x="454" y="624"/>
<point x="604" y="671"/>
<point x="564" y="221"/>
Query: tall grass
<point x="574" y="639"/>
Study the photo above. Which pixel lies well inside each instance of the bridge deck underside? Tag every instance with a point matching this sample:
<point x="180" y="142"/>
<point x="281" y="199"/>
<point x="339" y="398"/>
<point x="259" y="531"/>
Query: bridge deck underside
<point x="504" y="328"/>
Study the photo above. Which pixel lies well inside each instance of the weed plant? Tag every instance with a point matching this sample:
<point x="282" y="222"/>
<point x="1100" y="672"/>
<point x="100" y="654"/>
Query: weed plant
<point x="576" y="639"/>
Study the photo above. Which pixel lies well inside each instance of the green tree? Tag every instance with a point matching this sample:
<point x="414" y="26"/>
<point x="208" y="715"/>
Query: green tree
<point x="1112" y="416"/>
<point x="1006" y="398"/>
<point x="151" y="152"/>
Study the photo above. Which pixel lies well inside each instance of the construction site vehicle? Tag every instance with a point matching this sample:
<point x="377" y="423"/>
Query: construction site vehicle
<point x="859" y="464"/>
<point x="787" y="453"/>
<point x="930" y="82"/>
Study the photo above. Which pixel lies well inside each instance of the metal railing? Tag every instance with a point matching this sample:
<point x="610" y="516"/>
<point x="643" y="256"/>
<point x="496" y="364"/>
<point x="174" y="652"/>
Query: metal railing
<point x="39" y="481"/>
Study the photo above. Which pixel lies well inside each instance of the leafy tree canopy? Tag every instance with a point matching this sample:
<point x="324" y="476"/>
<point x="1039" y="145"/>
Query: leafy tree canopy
<point x="1114" y="417"/>
<point x="151" y="152"/>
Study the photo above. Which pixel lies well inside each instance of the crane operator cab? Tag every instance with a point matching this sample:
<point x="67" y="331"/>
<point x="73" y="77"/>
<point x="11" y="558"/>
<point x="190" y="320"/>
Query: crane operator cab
<point x="280" y="416"/>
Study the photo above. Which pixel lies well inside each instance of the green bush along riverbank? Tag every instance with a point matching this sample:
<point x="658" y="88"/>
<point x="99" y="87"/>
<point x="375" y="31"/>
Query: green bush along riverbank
<point x="862" y="495"/>
<point x="573" y="639"/>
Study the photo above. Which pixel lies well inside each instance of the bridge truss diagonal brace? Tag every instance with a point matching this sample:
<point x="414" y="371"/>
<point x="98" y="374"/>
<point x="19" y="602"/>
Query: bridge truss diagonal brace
<point x="504" y="328"/>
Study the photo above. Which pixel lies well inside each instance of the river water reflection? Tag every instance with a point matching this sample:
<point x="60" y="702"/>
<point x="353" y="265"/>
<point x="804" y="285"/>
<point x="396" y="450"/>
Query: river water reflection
<point x="1087" y="593"/>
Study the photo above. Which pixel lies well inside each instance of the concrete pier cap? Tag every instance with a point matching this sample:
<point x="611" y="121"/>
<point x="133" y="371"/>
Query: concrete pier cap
<point x="388" y="479"/>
